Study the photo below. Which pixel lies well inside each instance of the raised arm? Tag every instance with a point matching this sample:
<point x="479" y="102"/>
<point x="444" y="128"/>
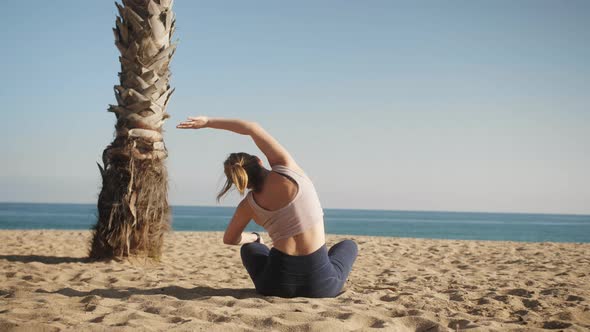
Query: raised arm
<point x="270" y="147"/>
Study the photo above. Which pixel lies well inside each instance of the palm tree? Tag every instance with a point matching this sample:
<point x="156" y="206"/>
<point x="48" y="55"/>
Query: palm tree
<point x="133" y="211"/>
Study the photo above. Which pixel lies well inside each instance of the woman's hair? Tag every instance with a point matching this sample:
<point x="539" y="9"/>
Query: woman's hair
<point x="242" y="170"/>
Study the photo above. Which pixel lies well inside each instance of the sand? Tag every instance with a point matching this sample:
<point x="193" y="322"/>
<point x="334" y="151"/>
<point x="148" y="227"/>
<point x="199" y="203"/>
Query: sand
<point x="200" y="285"/>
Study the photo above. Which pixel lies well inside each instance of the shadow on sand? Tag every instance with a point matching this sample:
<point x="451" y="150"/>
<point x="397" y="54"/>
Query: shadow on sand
<point x="44" y="259"/>
<point x="181" y="293"/>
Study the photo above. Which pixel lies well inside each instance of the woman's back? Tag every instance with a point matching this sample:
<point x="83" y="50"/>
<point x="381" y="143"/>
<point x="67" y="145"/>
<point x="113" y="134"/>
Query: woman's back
<point x="282" y="188"/>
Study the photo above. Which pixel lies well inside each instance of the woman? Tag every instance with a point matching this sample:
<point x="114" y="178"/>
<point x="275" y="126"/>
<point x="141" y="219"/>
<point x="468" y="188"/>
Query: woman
<point x="284" y="202"/>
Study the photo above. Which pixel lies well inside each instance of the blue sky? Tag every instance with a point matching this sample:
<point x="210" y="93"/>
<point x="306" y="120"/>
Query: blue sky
<point x="464" y="105"/>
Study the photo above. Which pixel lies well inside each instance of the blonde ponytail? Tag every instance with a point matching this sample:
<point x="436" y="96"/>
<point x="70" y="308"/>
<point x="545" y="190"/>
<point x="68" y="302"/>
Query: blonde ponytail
<point x="241" y="170"/>
<point x="239" y="177"/>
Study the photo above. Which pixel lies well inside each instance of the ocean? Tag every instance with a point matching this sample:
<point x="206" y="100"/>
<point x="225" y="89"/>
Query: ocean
<point x="413" y="224"/>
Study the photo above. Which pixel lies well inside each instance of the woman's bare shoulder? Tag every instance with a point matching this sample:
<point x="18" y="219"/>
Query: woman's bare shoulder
<point x="292" y="166"/>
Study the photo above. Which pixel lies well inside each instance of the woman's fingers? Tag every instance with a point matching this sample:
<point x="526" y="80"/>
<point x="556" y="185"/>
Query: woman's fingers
<point x="185" y="124"/>
<point x="191" y="124"/>
<point x="194" y="122"/>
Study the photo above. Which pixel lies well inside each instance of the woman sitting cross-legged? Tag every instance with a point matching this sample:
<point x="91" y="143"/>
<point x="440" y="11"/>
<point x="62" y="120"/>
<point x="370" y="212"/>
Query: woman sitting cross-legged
<point x="284" y="202"/>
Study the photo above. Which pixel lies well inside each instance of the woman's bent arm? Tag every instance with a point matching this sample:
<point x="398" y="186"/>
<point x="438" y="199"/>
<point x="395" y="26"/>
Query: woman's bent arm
<point x="234" y="231"/>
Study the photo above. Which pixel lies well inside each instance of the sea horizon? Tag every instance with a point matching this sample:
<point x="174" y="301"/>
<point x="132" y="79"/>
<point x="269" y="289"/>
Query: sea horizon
<point x="457" y="225"/>
<point x="344" y="209"/>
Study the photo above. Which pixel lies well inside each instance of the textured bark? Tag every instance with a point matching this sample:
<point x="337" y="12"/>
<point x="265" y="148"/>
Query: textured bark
<point x="133" y="211"/>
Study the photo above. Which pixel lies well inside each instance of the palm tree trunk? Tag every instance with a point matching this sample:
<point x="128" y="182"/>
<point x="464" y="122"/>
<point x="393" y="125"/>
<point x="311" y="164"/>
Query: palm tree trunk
<point x="133" y="211"/>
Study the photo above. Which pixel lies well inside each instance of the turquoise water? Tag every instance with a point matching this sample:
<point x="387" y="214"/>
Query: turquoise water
<point x="415" y="224"/>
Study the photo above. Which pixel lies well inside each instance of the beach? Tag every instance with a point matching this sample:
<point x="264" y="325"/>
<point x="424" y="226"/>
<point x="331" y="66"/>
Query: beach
<point x="397" y="284"/>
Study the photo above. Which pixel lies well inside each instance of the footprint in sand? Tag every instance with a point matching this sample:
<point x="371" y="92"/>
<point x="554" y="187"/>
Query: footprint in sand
<point x="461" y="324"/>
<point x="152" y="310"/>
<point x="551" y="291"/>
<point x="456" y="297"/>
<point x="556" y="325"/>
<point x="389" y="298"/>
<point x="415" y="312"/>
<point x="378" y="324"/>
<point x="501" y="298"/>
<point x="531" y="304"/>
<point x="483" y="301"/>
<point x="413" y="323"/>
<point x="344" y="315"/>
<point x="520" y="292"/>
<point x="90" y="302"/>
<point x="574" y="298"/>
<point x="177" y="320"/>
<point x="90" y="307"/>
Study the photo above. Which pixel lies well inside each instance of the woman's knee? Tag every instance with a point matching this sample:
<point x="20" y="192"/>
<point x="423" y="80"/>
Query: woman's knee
<point x="253" y="249"/>
<point x="351" y="245"/>
<point x="348" y="246"/>
<point x="245" y="250"/>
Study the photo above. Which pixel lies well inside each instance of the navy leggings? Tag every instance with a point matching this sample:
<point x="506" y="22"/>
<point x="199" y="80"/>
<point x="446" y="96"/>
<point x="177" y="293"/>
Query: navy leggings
<point x="319" y="274"/>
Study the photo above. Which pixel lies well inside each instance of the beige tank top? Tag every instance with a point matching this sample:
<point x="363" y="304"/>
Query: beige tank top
<point x="301" y="213"/>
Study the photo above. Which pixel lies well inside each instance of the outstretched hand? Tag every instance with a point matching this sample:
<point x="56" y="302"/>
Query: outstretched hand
<point x="194" y="122"/>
